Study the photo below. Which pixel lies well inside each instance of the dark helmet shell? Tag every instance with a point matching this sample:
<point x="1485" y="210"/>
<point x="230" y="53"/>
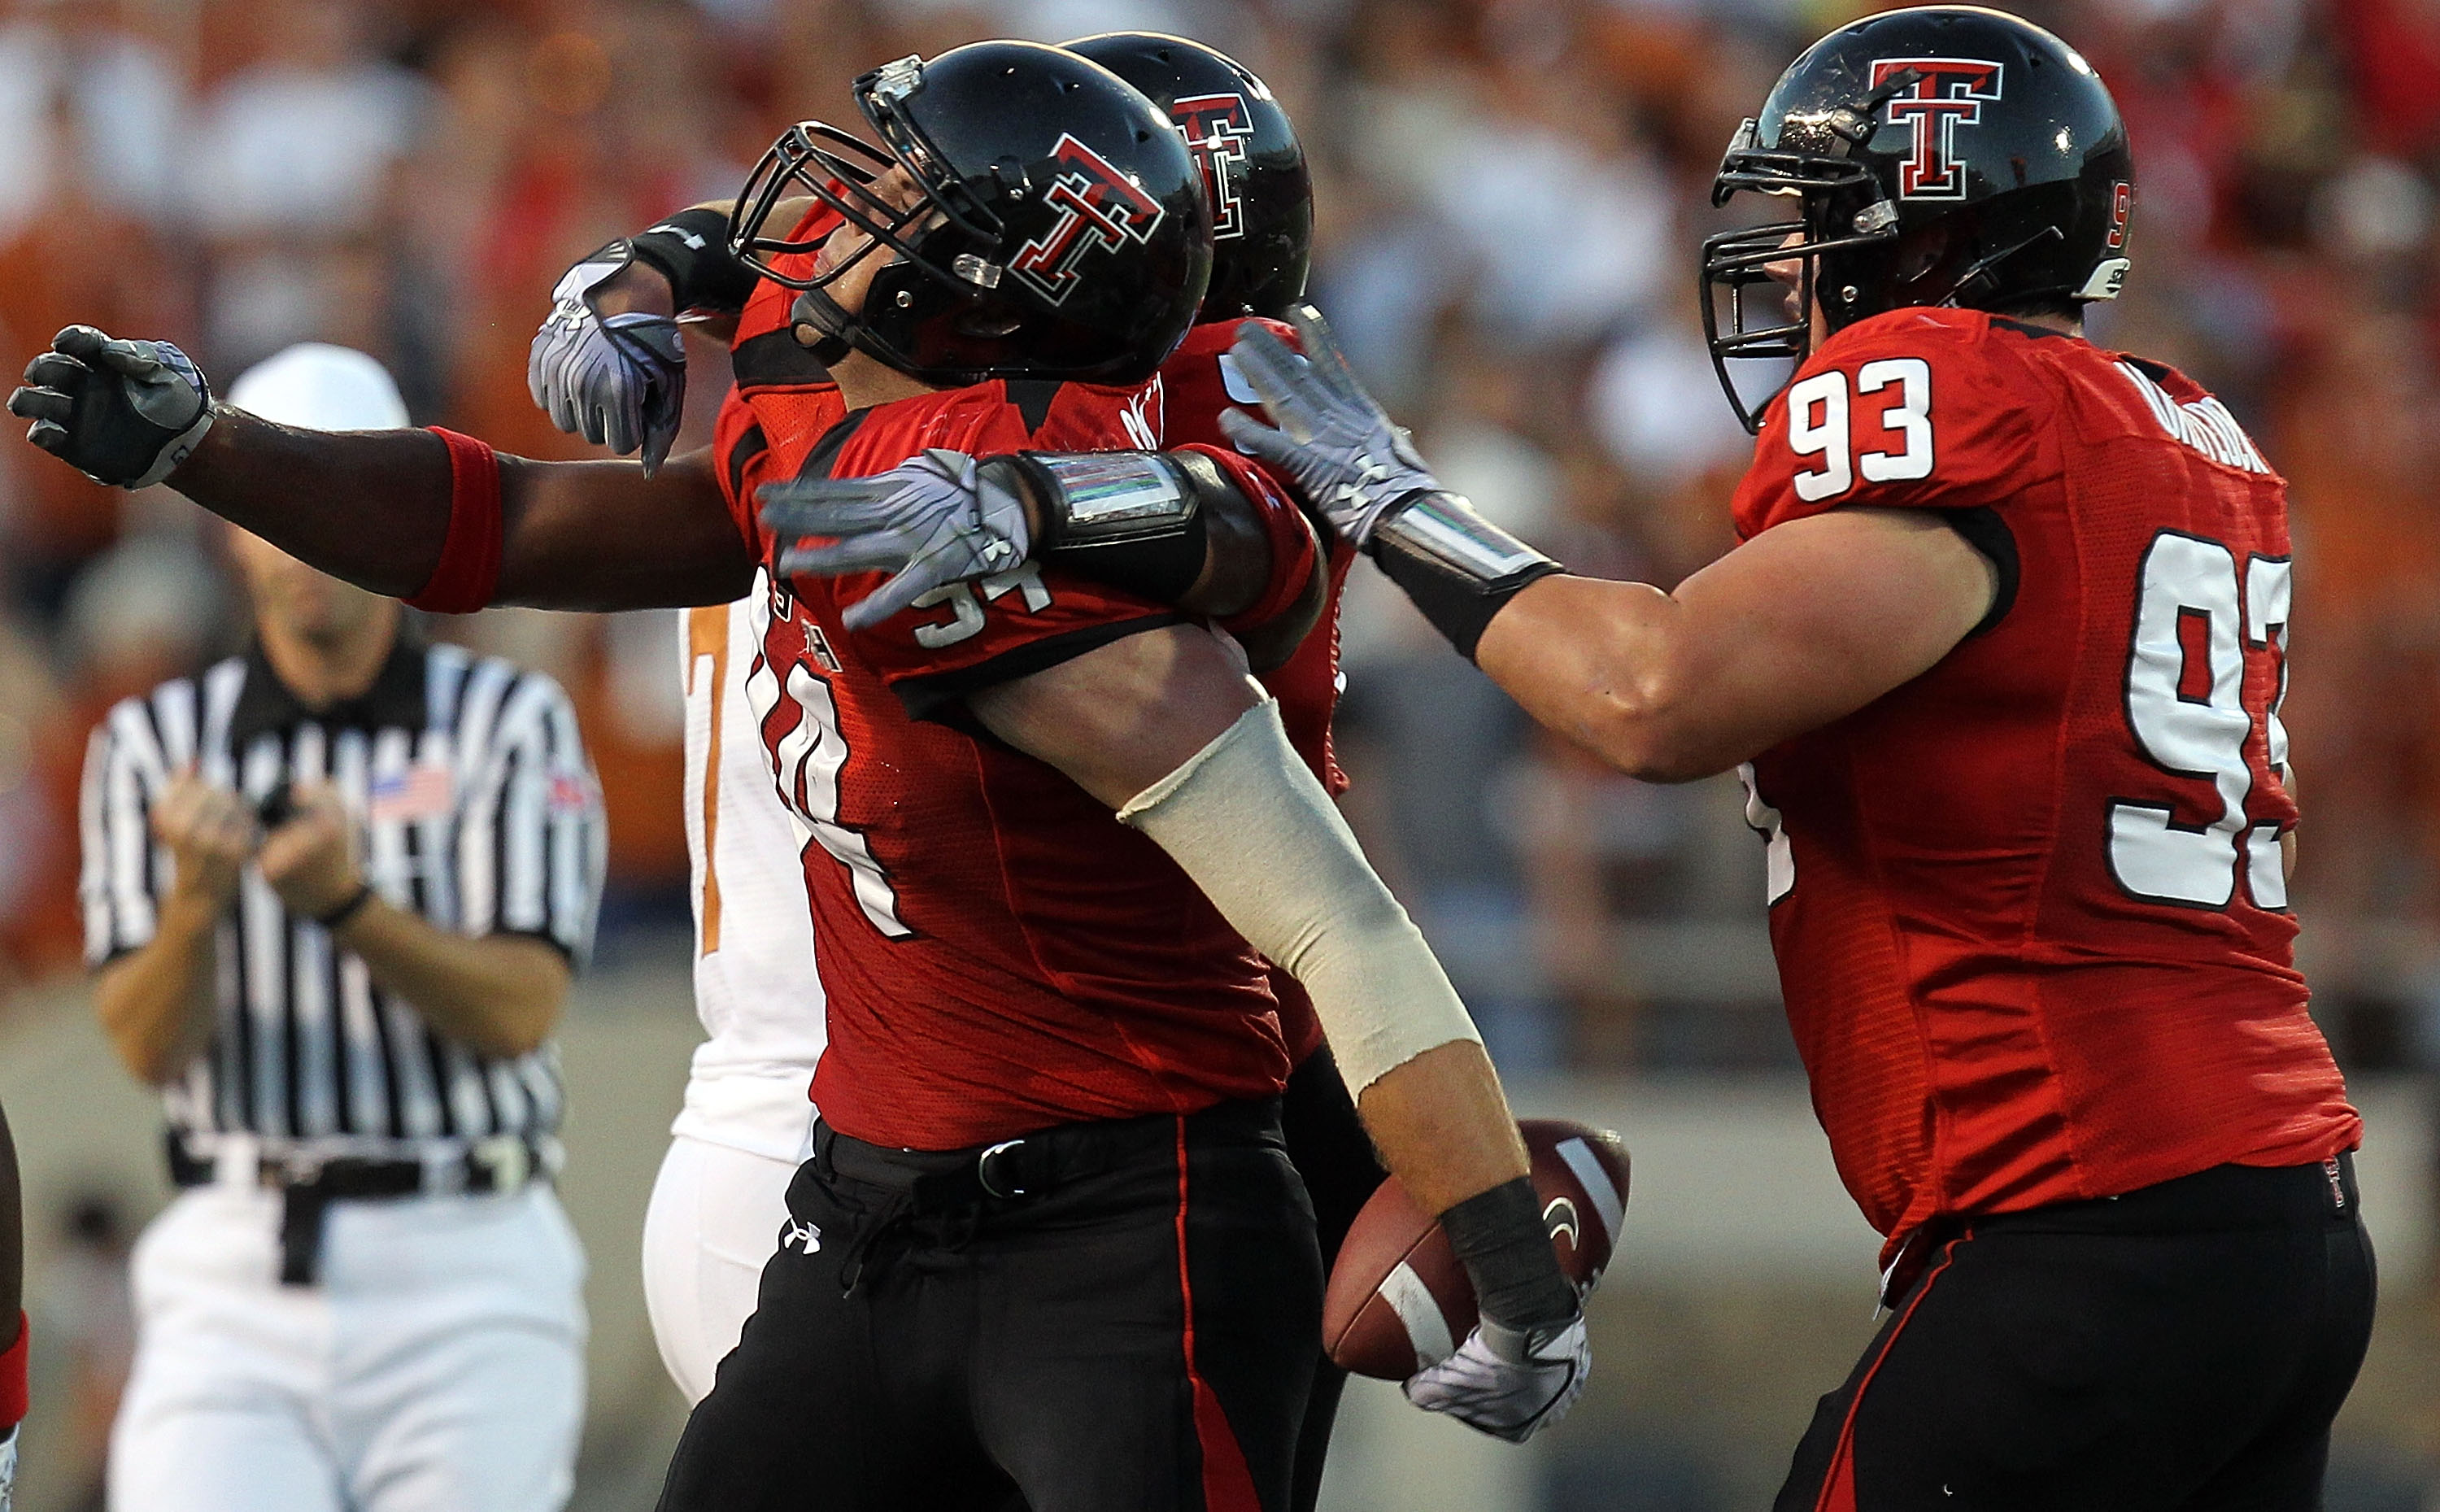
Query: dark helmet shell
<point x="1253" y="166"/>
<point x="1061" y="229"/>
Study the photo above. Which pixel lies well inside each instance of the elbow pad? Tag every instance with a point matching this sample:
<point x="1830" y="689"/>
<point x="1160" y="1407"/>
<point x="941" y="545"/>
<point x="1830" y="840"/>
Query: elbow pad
<point x="1249" y="822"/>
<point x="1134" y="520"/>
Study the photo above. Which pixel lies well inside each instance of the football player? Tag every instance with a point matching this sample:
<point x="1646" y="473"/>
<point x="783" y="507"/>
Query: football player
<point x="604" y="365"/>
<point x="2000" y="658"/>
<point x="1047" y="1091"/>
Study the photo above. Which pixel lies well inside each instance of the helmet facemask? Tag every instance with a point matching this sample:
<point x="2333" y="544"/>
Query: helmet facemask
<point x="935" y="243"/>
<point x="1843" y="208"/>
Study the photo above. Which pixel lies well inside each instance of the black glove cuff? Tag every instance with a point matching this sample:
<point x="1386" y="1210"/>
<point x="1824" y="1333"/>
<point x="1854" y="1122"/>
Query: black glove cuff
<point x="691" y="249"/>
<point x="1459" y="568"/>
<point x="1499" y="1238"/>
<point x="1134" y="520"/>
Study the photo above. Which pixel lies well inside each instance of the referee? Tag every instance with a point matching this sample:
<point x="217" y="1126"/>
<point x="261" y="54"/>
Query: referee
<point x="334" y="889"/>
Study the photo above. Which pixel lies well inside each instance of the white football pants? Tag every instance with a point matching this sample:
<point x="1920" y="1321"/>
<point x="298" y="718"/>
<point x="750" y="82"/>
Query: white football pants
<point x="438" y="1367"/>
<point x="713" y="1222"/>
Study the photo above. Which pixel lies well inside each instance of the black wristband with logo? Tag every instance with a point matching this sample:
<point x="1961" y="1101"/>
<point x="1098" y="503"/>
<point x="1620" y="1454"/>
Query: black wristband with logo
<point x="691" y="249"/>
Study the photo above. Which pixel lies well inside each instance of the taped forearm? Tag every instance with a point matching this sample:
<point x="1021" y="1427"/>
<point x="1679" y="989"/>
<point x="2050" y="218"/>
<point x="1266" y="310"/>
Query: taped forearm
<point x="1249" y="822"/>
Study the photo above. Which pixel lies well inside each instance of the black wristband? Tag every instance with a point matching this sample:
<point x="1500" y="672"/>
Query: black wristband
<point x="1499" y="1238"/>
<point x="1458" y="568"/>
<point x="349" y="909"/>
<point x="691" y="249"/>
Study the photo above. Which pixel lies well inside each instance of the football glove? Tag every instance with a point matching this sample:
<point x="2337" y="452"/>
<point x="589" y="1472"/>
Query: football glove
<point x="123" y="413"/>
<point x="8" y="1467"/>
<point x="930" y="522"/>
<point x="1346" y="458"/>
<point x="618" y="380"/>
<point x="1508" y="1384"/>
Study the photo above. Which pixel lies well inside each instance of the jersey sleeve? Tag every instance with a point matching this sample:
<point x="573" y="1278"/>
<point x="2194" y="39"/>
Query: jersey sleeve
<point x="969" y="635"/>
<point x="1915" y="410"/>
<point x="532" y="842"/>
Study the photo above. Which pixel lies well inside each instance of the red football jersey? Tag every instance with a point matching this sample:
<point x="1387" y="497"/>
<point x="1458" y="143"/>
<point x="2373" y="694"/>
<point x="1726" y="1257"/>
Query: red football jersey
<point x="2031" y="922"/>
<point x="1000" y="953"/>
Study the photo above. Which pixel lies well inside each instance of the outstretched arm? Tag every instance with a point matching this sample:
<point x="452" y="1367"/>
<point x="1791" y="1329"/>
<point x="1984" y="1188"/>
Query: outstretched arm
<point x="378" y="508"/>
<point x="1803" y="624"/>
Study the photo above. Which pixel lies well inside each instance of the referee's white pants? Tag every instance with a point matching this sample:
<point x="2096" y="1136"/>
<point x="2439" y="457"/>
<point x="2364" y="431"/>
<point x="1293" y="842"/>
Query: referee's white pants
<point x="713" y="1222"/>
<point x="438" y="1367"/>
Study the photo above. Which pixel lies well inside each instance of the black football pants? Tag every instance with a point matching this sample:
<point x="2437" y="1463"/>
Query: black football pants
<point x="1335" y="1157"/>
<point x="2183" y="1348"/>
<point x="1115" y="1317"/>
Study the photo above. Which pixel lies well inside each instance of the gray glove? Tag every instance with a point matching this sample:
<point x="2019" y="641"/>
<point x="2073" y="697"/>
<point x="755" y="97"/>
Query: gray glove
<point x="1348" y="460"/>
<point x="615" y="380"/>
<point x="123" y="413"/>
<point x="931" y="522"/>
<point x="1507" y="1384"/>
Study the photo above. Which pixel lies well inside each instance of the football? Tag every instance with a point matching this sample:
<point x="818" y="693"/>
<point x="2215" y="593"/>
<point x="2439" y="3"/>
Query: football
<point x="1398" y="1300"/>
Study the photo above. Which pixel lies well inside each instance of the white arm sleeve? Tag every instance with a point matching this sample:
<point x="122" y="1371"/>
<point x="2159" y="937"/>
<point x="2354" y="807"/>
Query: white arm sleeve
<point x="1249" y="822"/>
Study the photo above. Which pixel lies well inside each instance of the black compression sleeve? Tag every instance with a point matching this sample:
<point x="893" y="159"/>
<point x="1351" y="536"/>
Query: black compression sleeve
<point x="1498" y="1237"/>
<point x="691" y="249"/>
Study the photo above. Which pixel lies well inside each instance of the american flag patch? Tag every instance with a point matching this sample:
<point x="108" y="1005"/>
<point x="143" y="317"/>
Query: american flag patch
<point x="570" y="795"/>
<point x="421" y="792"/>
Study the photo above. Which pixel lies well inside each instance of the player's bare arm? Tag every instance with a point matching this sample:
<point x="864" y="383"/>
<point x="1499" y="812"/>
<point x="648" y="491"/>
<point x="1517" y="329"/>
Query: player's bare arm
<point x="563" y="535"/>
<point x="1801" y="625"/>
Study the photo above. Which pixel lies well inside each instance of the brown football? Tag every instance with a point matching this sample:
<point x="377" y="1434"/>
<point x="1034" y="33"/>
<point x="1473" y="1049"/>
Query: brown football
<point x="1398" y="1299"/>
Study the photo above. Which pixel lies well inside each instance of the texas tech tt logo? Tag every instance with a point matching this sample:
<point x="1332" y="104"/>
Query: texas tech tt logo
<point x="1949" y="92"/>
<point x="1097" y="206"/>
<point x="1217" y="131"/>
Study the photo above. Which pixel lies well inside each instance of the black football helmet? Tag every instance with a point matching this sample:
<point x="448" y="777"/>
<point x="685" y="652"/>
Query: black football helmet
<point x="1941" y="156"/>
<point x="1253" y="166"/>
<point x="1059" y="229"/>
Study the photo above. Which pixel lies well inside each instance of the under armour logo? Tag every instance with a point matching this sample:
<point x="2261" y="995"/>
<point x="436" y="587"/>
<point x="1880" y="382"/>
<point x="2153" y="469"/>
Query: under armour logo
<point x="807" y="1235"/>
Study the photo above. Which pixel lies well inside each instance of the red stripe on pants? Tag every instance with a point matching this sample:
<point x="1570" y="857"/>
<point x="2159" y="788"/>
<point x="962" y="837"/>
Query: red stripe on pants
<point x="1227" y="1485"/>
<point x="1839" y="1486"/>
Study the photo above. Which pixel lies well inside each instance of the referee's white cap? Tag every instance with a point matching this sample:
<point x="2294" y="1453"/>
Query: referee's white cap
<point x="316" y="385"/>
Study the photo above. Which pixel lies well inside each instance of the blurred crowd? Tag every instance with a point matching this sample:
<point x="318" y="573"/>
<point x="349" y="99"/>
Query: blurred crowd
<point x="1511" y="194"/>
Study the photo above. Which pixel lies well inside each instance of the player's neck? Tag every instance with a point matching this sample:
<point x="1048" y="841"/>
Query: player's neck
<point x="320" y="672"/>
<point x="864" y="382"/>
<point x="2065" y="325"/>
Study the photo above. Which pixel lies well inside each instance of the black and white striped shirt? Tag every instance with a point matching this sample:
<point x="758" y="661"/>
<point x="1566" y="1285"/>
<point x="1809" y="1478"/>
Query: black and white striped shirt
<point x="479" y="809"/>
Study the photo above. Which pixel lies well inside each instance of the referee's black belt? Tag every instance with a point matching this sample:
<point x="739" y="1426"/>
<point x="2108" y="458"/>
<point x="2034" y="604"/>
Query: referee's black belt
<point x="1030" y="1165"/>
<point x="309" y="1183"/>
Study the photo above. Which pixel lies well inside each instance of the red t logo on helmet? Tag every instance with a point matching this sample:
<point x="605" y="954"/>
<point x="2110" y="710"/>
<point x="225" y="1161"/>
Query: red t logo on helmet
<point x="1098" y="205"/>
<point x="1951" y="93"/>
<point x="1217" y="130"/>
